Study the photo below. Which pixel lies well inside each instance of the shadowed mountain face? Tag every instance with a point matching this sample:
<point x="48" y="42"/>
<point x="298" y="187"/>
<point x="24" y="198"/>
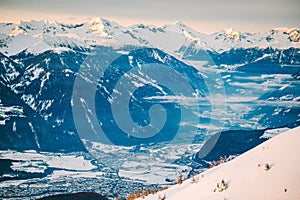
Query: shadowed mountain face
<point x="25" y="99"/>
<point x="37" y="108"/>
<point x="225" y="144"/>
<point x="228" y="143"/>
<point x="76" y="196"/>
<point x="36" y="100"/>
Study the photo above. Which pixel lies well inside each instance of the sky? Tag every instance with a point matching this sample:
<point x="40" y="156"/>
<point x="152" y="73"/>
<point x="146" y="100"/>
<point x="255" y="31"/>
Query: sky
<point x="206" y="16"/>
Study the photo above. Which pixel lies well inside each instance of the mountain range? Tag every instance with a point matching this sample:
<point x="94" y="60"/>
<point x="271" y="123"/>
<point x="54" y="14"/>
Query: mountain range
<point x="39" y="36"/>
<point x="133" y="105"/>
<point x="247" y="81"/>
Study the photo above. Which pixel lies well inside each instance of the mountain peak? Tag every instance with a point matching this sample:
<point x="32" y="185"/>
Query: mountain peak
<point x="179" y="23"/>
<point x="98" y="31"/>
<point x="293" y="33"/>
<point x="285" y="30"/>
<point x="98" y="20"/>
<point x="231" y="33"/>
<point x="98" y="26"/>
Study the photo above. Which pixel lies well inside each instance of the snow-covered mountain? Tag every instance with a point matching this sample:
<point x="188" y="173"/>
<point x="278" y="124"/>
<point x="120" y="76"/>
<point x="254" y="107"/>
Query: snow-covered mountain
<point x="39" y="36"/>
<point x="59" y="84"/>
<point x="40" y="61"/>
<point x="269" y="171"/>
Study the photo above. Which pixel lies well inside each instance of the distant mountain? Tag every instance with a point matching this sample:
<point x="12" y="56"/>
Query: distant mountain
<point x="40" y="36"/>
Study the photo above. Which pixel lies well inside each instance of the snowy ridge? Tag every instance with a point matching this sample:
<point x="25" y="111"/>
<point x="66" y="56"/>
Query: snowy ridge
<point x="269" y="171"/>
<point x="39" y="36"/>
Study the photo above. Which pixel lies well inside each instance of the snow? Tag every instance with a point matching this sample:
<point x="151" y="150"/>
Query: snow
<point x="150" y="164"/>
<point x="36" y="73"/>
<point x="39" y="36"/>
<point x="71" y="162"/>
<point x="155" y="173"/>
<point x="39" y="47"/>
<point x="98" y="27"/>
<point x="14" y="128"/>
<point x="61" y="174"/>
<point x="284" y="29"/>
<point x="262" y="57"/>
<point x="31" y="166"/>
<point x="16" y="31"/>
<point x="65" y="167"/>
<point x="6" y="112"/>
<point x="273" y="132"/>
<point x="31" y="161"/>
<point x="268" y="171"/>
<point x="232" y="33"/>
<point x="59" y="50"/>
<point x="18" y="43"/>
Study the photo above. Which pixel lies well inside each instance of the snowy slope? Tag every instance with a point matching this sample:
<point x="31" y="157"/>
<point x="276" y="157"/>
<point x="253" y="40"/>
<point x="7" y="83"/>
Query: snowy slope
<point x="246" y="176"/>
<point x="39" y="36"/>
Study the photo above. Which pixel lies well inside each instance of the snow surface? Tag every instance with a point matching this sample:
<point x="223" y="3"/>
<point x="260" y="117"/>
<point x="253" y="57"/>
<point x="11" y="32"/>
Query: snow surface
<point x="273" y="132"/>
<point x="31" y="161"/>
<point x="246" y="176"/>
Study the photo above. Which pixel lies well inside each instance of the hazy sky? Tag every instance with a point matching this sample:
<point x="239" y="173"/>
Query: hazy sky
<point x="206" y="16"/>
